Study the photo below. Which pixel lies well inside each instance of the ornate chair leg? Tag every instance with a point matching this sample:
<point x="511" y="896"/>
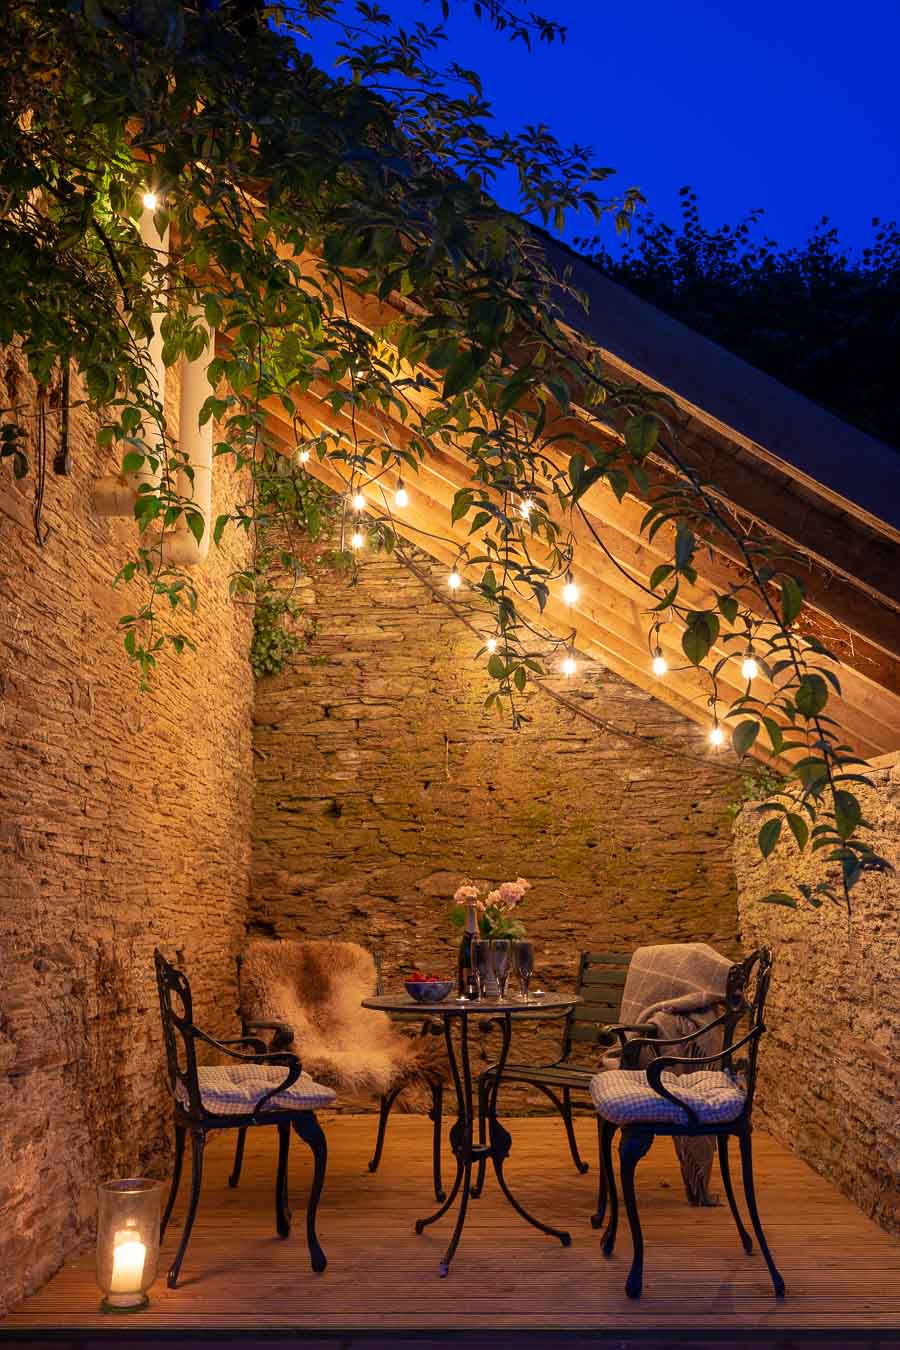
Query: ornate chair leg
<point x="750" y="1196"/>
<point x="632" y="1147"/>
<point x="484" y="1088"/>
<point x="437" y="1116"/>
<point x="198" y="1140"/>
<point x="238" y="1157"/>
<point x="598" y="1217"/>
<point x="282" y="1210"/>
<point x="387" y="1101"/>
<point x="725" y="1169"/>
<point x="176" y="1179"/>
<point x="612" y="1223"/>
<point x="310" y="1131"/>
<point x="566" y="1114"/>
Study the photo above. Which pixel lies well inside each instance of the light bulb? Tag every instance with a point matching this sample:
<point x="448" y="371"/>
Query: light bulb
<point x="303" y="456"/>
<point x="716" y="735"/>
<point x="401" y="496"/>
<point x="150" y="201"/>
<point x="750" y="668"/>
<point x="570" y="590"/>
<point x="525" y="507"/>
<point x="569" y="666"/>
<point x="359" y="502"/>
<point x="357" y="539"/>
<point x="659" y="665"/>
<point x="454" y="581"/>
<point x="491" y="644"/>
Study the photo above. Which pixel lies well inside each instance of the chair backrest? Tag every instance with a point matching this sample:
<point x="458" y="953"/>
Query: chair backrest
<point x="748" y="988"/>
<point x="178" y="1033"/>
<point x="600" y="983"/>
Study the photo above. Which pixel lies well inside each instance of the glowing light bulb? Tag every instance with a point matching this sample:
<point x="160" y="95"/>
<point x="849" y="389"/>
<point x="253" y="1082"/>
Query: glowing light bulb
<point x="401" y="496"/>
<point x="303" y="456"/>
<point x="358" y="502"/>
<point x="491" y="644"/>
<point x="716" y="735"/>
<point x="150" y="201"/>
<point x="750" y="668"/>
<point x="525" y="507"/>
<point x="570" y="590"/>
<point x="569" y="666"/>
<point x="357" y="539"/>
<point x="454" y="581"/>
<point x="659" y="664"/>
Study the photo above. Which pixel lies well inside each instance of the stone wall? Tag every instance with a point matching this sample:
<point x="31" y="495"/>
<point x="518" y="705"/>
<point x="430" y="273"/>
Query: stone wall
<point x="123" y="824"/>
<point x="380" y="782"/>
<point x="830" y="1064"/>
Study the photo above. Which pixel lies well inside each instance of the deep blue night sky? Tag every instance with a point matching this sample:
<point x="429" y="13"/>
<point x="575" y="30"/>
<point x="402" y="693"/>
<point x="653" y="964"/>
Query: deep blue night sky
<point x="790" y="105"/>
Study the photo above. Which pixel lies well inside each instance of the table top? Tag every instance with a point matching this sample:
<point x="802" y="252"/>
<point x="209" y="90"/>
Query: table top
<point x="537" y="1003"/>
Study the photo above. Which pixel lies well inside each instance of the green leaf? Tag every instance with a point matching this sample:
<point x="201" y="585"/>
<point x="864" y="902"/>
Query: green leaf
<point x="779" y="898"/>
<point x="461" y="503"/>
<point x="196" y="524"/>
<point x="728" y="607"/>
<point x="799" y="828"/>
<point x="461" y="373"/>
<point x="699" y="636"/>
<point x="133" y="462"/>
<point x="659" y="574"/>
<point x="496" y="667"/>
<point x="769" y="835"/>
<point x="641" y="434"/>
<point x="743" y="737"/>
<point x="219" y="529"/>
<point x="791" y="599"/>
<point x="811" y="695"/>
<point x="776" y="735"/>
<point x="847" y="813"/>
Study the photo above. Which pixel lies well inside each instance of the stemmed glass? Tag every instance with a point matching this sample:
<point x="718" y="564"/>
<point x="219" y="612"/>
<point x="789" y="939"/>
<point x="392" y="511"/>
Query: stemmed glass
<point x="481" y="958"/>
<point x="502" y="953"/>
<point x="524" y="959"/>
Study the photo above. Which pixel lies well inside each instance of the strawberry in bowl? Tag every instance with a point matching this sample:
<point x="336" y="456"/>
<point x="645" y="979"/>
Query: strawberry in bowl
<point x="427" y="988"/>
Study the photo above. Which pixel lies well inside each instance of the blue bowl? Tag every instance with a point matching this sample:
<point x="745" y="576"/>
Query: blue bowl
<point x="429" y="991"/>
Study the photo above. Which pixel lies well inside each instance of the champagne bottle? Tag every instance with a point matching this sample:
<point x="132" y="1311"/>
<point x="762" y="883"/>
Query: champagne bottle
<point x="467" y="985"/>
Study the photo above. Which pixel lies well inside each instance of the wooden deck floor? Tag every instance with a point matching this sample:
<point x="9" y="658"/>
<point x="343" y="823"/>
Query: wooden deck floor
<point x="842" y="1272"/>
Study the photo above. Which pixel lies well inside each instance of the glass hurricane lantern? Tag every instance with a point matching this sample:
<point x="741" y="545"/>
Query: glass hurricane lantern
<point x="127" y="1242"/>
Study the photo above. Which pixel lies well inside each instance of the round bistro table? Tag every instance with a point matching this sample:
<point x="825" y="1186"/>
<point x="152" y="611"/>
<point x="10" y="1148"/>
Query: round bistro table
<point x="496" y="1146"/>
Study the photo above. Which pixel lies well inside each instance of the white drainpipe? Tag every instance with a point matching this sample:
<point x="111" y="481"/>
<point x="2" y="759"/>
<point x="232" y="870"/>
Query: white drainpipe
<point x="114" y="494"/>
<point x="180" y="546"/>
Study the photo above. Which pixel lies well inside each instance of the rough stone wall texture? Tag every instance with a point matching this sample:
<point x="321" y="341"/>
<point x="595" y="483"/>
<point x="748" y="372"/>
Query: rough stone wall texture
<point x="830" y="1063"/>
<point x="380" y="782"/>
<point x="124" y="823"/>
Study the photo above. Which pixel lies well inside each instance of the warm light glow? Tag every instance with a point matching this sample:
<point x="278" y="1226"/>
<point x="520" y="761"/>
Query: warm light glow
<point x="359" y="502"/>
<point x="129" y="1255"/>
<point x="357" y="539"/>
<point x="525" y="507"/>
<point x="491" y="644"/>
<point x="659" y="665"/>
<point x="569" y="666"/>
<point x="150" y="201"/>
<point x="570" y="590"/>
<point x="303" y="456"/>
<point x="454" y="581"/>
<point x="750" y="668"/>
<point x="716" y="735"/>
<point x="401" y="496"/>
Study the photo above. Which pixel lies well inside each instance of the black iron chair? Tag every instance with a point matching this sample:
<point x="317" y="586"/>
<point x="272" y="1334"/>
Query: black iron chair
<point x="593" y="1023"/>
<point x="700" y="1101"/>
<point x="252" y="1092"/>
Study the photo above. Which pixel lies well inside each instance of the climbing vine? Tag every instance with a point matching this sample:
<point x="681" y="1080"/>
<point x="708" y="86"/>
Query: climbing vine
<point x="340" y="237"/>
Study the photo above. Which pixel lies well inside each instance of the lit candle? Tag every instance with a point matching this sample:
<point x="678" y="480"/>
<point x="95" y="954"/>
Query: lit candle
<point x="128" y="1263"/>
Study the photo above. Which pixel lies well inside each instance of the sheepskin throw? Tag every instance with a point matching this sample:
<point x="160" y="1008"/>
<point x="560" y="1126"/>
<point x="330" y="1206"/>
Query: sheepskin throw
<point x="317" y="989"/>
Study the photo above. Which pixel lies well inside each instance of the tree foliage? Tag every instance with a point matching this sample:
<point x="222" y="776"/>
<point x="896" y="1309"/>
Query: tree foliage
<point x="340" y="236"/>
<point x="822" y="318"/>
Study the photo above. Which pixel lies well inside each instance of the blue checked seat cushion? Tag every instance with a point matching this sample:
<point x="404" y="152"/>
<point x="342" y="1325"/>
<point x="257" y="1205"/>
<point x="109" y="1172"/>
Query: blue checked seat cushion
<point x="624" y="1097"/>
<point x="234" y="1090"/>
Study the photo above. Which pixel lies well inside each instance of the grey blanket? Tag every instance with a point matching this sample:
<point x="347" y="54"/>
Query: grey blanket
<point x="679" y="988"/>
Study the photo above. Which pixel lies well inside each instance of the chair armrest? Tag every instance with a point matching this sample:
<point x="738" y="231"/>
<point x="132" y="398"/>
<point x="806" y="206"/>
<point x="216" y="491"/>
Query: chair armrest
<point x="284" y="1034"/>
<point x="657" y="1068"/>
<point x="277" y="1059"/>
<point x="654" y="1042"/>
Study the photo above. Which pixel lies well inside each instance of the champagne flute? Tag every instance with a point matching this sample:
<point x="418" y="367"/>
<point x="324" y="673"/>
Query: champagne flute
<point x="482" y="962"/>
<point x="502" y="953"/>
<point x="524" y="957"/>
